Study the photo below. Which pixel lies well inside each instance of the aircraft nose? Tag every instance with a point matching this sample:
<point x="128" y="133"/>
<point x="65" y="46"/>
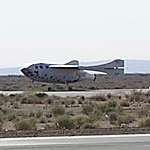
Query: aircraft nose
<point x="24" y="71"/>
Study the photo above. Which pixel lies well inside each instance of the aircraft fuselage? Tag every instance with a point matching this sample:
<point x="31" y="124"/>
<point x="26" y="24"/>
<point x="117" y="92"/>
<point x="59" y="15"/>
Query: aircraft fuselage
<point x="44" y="73"/>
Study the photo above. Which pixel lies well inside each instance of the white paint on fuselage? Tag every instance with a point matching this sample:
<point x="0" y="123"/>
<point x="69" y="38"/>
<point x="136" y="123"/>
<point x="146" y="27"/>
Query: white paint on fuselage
<point x="44" y="73"/>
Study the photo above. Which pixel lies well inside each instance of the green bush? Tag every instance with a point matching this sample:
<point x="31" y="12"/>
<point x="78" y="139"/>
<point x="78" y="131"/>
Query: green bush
<point x="107" y="107"/>
<point x="137" y="96"/>
<point x="145" y="123"/>
<point x="80" y="120"/>
<point x="49" y="101"/>
<point x="87" y="109"/>
<point x="109" y="96"/>
<point x="58" y="110"/>
<point x="39" y="114"/>
<point x="112" y="104"/>
<point x="26" y="124"/>
<point x="113" y="117"/>
<point x="125" y="104"/>
<point x="11" y="117"/>
<point x="99" y="98"/>
<point x="88" y="126"/>
<point x="127" y="119"/>
<point x="64" y="122"/>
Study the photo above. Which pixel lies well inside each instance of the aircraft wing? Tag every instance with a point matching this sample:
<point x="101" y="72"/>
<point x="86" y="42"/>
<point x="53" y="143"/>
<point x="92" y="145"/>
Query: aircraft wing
<point x="64" y="66"/>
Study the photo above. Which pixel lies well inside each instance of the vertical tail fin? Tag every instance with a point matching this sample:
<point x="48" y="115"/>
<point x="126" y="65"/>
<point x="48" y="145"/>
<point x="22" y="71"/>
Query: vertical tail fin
<point x="73" y="62"/>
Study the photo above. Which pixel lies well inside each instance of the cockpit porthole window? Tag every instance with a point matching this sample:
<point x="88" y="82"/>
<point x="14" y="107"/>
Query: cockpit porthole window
<point x="46" y="67"/>
<point x="41" y="67"/>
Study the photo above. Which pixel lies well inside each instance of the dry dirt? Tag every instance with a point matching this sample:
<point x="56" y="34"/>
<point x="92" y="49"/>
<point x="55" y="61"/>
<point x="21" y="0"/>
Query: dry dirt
<point x="128" y="81"/>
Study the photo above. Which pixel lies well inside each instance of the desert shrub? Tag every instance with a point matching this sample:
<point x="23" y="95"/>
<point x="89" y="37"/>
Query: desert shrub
<point x="120" y="97"/>
<point x="2" y="95"/>
<point x="41" y="95"/>
<point x="73" y="102"/>
<point x="107" y="107"/>
<point x="24" y="100"/>
<point x="27" y="100"/>
<point x="12" y="95"/>
<point x="32" y="114"/>
<point x="70" y="88"/>
<point x="64" y="122"/>
<point x="147" y="94"/>
<point x="11" y="117"/>
<point x="109" y="96"/>
<point x="143" y="112"/>
<point x="127" y="96"/>
<point x="82" y="98"/>
<point x="145" y="123"/>
<point x="102" y="108"/>
<point x="112" y="104"/>
<point x="99" y="98"/>
<point x="26" y="124"/>
<point x="16" y="105"/>
<point x="88" y="126"/>
<point x="127" y="119"/>
<point x="68" y="102"/>
<point x="87" y="109"/>
<point x="43" y="120"/>
<point x="125" y="104"/>
<point x="58" y="110"/>
<point x="113" y="117"/>
<point x="49" y="101"/>
<point x="5" y="111"/>
<point x="39" y="114"/>
<point x="80" y="120"/>
<point x="80" y="101"/>
<point x="49" y="115"/>
<point x="1" y="117"/>
<point x="137" y="96"/>
<point x="31" y="99"/>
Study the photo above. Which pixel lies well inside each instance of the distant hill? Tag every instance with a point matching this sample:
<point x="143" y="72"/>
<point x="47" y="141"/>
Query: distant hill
<point x="137" y="66"/>
<point x="131" y="66"/>
<point x="10" y="71"/>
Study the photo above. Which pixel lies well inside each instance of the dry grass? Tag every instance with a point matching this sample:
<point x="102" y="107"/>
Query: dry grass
<point x="78" y="112"/>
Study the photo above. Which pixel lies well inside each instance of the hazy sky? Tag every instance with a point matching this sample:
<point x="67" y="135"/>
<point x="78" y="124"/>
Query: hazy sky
<point x="61" y="30"/>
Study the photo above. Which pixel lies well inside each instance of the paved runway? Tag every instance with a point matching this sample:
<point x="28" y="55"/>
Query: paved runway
<point x="119" y="142"/>
<point x="83" y="93"/>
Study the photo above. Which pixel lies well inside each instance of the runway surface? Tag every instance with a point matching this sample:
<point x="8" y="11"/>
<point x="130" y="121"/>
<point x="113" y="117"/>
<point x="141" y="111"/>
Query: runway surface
<point x="83" y="93"/>
<point x="120" y="142"/>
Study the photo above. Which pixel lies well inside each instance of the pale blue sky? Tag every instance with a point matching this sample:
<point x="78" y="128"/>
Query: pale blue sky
<point x="61" y="30"/>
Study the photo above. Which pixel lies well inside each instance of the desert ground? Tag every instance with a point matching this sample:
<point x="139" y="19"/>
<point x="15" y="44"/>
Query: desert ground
<point x="38" y="111"/>
<point x="128" y="81"/>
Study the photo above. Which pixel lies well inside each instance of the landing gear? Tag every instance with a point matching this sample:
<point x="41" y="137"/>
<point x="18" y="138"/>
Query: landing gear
<point x="53" y="88"/>
<point x="49" y="89"/>
<point x="94" y="77"/>
<point x="68" y="88"/>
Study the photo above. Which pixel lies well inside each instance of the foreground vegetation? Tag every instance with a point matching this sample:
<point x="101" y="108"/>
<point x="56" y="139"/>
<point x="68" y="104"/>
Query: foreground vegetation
<point x="39" y="111"/>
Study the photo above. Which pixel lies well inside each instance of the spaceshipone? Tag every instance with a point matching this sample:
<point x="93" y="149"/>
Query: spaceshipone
<point x="70" y="72"/>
